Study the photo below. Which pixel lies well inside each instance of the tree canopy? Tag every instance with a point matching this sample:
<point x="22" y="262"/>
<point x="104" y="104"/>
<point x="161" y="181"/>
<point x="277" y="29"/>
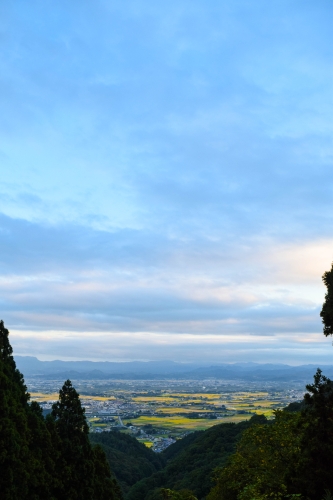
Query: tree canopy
<point x="46" y="458"/>
<point x="130" y="460"/>
<point x="327" y="310"/>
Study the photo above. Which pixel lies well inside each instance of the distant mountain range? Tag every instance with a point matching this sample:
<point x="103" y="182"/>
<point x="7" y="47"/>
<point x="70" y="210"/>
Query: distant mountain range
<point x="31" y="366"/>
<point x="97" y="370"/>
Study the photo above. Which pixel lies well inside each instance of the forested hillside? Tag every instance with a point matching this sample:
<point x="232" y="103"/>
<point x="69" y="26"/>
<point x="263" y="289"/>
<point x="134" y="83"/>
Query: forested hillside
<point x="192" y="466"/>
<point x="130" y="460"/>
<point x="291" y="458"/>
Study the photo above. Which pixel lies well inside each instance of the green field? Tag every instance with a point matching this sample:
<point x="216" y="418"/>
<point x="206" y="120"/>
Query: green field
<point x="169" y="409"/>
<point x="178" y="423"/>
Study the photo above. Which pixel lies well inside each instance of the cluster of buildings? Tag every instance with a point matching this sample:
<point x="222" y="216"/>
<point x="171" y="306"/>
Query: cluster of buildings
<point x="161" y="443"/>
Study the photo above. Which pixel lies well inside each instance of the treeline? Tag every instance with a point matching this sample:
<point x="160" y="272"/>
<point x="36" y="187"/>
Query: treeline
<point x="51" y="458"/>
<point x="290" y="457"/>
<point x="186" y="466"/>
<point x="192" y="466"/>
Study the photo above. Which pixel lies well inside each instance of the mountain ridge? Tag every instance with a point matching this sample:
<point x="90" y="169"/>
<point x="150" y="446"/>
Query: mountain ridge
<point x="145" y="370"/>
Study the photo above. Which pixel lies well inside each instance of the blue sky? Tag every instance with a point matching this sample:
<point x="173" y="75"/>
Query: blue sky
<point x="166" y="179"/>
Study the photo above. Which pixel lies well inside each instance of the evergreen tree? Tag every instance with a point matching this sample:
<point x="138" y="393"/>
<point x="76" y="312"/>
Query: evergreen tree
<point x="75" y="463"/>
<point x="46" y="459"/>
<point x="43" y="479"/>
<point x="259" y="468"/>
<point x="84" y="471"/>
<point x="314" y="474"/>
<point x="327" y="309"/>
<point x="105" y="486"/>
<point x="26" y="452"/>
<point x="14" y="430"/>
<point x="167" y="494"/>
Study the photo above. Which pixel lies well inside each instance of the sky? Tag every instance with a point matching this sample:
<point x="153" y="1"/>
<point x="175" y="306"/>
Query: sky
<point x="166" y="187"/>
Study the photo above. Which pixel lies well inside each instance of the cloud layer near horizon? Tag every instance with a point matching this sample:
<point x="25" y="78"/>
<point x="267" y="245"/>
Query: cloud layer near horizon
<point x="166" y="174"/>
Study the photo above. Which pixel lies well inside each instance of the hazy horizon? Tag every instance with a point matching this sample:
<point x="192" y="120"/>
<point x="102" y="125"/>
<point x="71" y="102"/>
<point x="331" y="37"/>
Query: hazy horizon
<point x="184" y="363"/>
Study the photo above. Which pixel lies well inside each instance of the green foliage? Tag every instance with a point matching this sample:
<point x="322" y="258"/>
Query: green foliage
<point x="314" y="474"/>
<point x="69" y="415"/>
<point x="292" y="458"/>
<point x="42" y="455"/>
<point x="167" y="494"/>
<point x="84" y="471"/>
<point x="46" y="459"/>
<point x="26" y="448"/>
<point x="104" y="485"/>
<point x="75" y="463"/>
<point x="191" y="467"/>
<point x="294" y="407"/>
<point x="129" y="460"/>
<point x="327" y="309"/>
<point x="14" y="430"/>
<point x="259" y="468"/>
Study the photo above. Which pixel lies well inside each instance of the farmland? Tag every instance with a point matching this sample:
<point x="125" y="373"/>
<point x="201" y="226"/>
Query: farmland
<point x="153" y="410"/>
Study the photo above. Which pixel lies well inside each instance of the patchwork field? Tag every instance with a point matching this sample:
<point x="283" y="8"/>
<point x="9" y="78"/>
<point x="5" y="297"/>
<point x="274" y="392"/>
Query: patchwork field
<point x="40" y="396"/>
<point x="151" y="411"/>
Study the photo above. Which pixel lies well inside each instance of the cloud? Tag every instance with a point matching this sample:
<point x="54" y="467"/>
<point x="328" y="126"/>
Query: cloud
<point x="76" y="279"/>
<point x="213" y="349"/>
<point x="166" y="169"/>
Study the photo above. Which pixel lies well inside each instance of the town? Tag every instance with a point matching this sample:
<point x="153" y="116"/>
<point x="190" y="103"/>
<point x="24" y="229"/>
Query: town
<point x="157" y="413"/>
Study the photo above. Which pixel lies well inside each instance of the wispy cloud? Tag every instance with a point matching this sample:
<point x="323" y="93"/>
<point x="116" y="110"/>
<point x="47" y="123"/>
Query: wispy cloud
<point x="83" y="280"/>
<point x="166" y="170"/>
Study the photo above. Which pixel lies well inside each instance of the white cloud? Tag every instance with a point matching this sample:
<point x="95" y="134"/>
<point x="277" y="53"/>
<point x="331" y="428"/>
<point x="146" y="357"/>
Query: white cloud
<point x="166" y="168"/>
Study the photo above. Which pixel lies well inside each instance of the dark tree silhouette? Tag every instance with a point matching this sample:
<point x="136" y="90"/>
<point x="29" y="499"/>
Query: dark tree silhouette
<point x="327" y="309"/>
<point x="85" y="472"/>
<point x="75" y="463"/>
<point x="69" y="415"/>
<point x="14" y="430"/>
<point x="315" y="474"/>
<point x="46" y="459"/>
